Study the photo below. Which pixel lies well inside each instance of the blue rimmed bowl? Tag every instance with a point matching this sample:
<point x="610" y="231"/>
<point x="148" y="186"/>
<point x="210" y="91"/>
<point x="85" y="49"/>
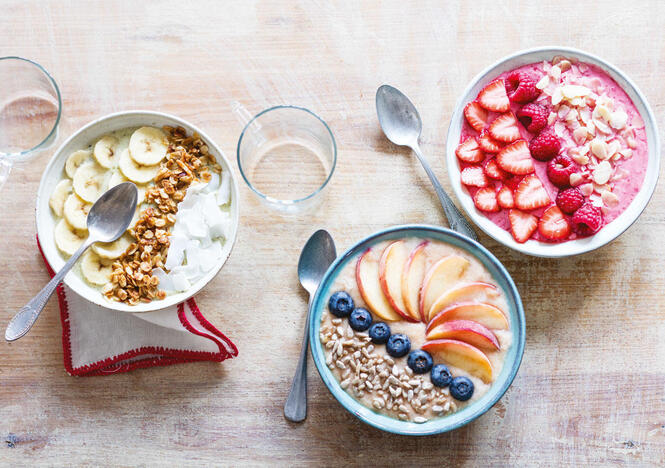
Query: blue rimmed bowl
<point x="472" y="411"/>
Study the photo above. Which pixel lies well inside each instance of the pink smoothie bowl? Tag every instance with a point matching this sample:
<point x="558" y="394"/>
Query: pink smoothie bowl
<point x="612" y="229"/>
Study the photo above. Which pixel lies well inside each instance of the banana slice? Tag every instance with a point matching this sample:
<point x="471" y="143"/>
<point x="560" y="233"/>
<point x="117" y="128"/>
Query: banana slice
<point x="76" y="212"/>
<point x="134" y="171"/>
<point x="66" y="238"/>
<point x="75" y="160"/>
<point x="89" y="182"/>
<point x="59" y="195"/>
<point x="112" y="250"/>
<point x="105" y="151"/>
<point x="94" y="270"/>
<point x="117" y="178"/>
<point x="148" y="145"/>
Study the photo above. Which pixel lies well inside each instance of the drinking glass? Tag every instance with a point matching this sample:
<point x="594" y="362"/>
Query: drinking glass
<point x="286" y="155"/>
<point x="30" y="108"/>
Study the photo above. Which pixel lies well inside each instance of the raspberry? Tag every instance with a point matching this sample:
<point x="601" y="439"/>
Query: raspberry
<point x="533" y="117"/>
<point x="559" y="170"/>
<point x="569" y="200"/>
<point x="545" y="146"/>
<point x="521" y="87"/>
<point x="588" y="219"/>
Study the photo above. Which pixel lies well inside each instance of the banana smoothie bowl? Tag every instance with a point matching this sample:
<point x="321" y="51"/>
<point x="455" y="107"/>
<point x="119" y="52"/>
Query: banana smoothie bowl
<point x="186" y="218"/>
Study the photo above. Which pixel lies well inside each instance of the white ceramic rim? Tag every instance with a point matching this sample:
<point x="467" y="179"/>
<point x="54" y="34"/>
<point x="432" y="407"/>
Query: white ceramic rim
<point x="609" y="232"/>
<point x="53" y="173"/>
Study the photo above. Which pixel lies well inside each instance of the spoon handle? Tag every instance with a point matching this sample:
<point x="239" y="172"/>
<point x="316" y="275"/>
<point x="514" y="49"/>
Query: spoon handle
<point x="295" y="408"/>
<point x="456" y="220"/>
<point x="27" y="316"/>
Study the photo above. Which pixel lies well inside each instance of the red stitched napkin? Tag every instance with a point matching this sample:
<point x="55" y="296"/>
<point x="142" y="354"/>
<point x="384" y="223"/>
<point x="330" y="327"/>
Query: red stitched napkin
<point x="100" y="341"/>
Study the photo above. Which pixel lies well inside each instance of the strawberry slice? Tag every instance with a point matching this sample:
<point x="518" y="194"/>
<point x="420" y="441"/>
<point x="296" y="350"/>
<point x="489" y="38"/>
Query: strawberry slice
<point x="488" y="144"/>
<point x="530" y="194"/>
<point x="485" y="200"/>
<point x="494" y="97"/>
<point x="476" y="116"/>
<point x="553" y="224"/>
<point x="474" y="176"/>
<point x="505" y="198"/>
<point x="504" y="128"/>
<point x="522" y="225"/>
<point x="469" y="151"/>
<point x="516" y="158"/>
<point x="493" y="171"/>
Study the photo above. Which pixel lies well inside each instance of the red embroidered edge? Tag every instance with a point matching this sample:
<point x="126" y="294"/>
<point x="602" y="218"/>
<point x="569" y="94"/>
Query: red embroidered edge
<point x="112" y="365"/>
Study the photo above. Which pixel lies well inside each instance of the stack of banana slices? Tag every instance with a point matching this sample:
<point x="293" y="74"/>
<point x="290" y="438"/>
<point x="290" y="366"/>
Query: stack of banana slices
<point x="125" y="155"/>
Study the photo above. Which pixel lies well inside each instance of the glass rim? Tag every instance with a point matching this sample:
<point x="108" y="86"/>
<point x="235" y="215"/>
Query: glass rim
<point x="57" y="119"/>
<point x="280" y="201"/>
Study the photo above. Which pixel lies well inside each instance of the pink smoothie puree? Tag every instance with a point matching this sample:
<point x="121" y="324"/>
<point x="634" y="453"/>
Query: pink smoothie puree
<point x="595" y="102"/>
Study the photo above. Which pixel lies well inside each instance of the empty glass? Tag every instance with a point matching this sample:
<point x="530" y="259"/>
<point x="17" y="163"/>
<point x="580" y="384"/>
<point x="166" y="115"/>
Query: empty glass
<point x="30" y="107"/>
<point x="286" y="155"/>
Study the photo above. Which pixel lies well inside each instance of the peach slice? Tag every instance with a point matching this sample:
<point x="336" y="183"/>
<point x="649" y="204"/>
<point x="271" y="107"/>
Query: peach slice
<point x="468" y="291"/>
<point x="367" y="277"/>
<point x="412" y="279"/>
<point x="485" y="314"/>
<point x="439" y="278"/>
<point x="391" y="265"/>
<point x="462" y="355"/>
<point x="468" y="331"/>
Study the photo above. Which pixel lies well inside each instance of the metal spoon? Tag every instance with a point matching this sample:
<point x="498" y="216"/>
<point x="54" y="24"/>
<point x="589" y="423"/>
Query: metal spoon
<point x="401" y="123"/>
<point x="315" y="258"/>
<point x="107" y="220"/>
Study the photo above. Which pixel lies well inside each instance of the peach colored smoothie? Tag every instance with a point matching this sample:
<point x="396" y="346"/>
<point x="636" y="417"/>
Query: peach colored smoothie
<point x="472" y="321"/>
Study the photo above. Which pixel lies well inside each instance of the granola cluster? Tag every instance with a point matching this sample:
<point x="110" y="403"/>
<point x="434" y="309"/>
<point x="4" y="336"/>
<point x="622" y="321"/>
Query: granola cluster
<point x="187" y="160"/>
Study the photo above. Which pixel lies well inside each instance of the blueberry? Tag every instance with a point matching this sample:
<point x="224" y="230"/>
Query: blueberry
<point x="461" y="388"/>
<point x="340" y="304"/>
<point x="398" y="345"/>
<point x="441" y="376"/>
<point x="360" y="319"/>
<point x="379" y="332"/>
<point x="419" y="361"/>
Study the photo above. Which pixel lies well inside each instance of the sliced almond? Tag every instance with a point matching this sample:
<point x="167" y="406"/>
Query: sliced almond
<point x="576" y="179"/>
<point x="580" y="159"/>
<point x="557" y="96"/>
<point x="586" y="189"/>
<point x="599" y="148"/>
<point x="609" y="199"/>
<point x="618" y="119"/>
<point x="564" y="65"/>
<point x="602" y="172"/>
<point x="602" y="126"/>
<point x="626" y="152"/>
<point x="551" y="118"/>
<point x="574" y="91"/>
<point x="543" y="82"/>
<point x="555" y="72"/>
<point x="563" y="110"/>
<point x="579" y="135"/>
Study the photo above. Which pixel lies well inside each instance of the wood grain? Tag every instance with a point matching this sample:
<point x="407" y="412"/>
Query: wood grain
<point x="590" y="389"/>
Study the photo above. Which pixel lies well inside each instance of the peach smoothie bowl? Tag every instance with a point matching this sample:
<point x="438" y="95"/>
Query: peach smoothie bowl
<point x="417" y="330"/>
<point x="553" y="151"/>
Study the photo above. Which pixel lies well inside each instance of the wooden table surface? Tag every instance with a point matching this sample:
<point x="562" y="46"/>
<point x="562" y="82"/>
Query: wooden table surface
<point x="591" y="387"/>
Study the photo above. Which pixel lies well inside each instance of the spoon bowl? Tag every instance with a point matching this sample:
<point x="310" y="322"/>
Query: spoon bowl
<point x="112" y="213"/>
<point x="398" y="117"/>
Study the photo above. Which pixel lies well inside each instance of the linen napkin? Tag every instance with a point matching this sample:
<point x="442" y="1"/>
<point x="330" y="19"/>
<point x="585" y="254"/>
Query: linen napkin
<point x="101" y="341"/>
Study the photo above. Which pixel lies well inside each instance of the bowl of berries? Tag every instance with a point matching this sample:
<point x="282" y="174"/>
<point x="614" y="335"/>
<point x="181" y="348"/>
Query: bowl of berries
<point x="417" y="330"/>
<point x="553" y="151"/>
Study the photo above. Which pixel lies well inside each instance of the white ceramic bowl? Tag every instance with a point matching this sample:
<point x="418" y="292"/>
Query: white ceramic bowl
<point x="53" y="174"/>
<point x="609" y="232"/>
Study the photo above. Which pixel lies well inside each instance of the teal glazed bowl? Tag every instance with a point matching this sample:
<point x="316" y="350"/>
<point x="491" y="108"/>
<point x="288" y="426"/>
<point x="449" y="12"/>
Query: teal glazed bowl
<point x="468" y="413"/>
